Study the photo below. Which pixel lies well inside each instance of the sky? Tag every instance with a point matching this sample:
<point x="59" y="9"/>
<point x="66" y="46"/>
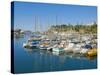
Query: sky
<point x="27" y="15"/>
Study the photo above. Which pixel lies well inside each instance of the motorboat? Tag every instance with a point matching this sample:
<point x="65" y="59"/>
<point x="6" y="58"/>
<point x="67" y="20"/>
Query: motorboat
<point x="58" y="50"/>
<point x="44" y="45"/>
<point x="69" y="47"/>
<point x="32" y="44"/>
<point x="92" y="52"/>
<point x="77" y="48"/>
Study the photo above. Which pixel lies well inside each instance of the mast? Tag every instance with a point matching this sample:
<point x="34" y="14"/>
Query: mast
<point x="56" y="22"/>
<point x="35" y="24"/>
<point x="56" y="28"/>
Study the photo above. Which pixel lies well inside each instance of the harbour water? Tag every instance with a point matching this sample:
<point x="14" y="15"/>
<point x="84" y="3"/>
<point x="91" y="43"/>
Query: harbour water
<point x="36" y="60"/>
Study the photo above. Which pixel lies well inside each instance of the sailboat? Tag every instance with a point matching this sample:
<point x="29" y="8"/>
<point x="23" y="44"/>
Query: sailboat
<point x="45" y="42"/>
<point x="58" y="48"/>
<point x="34" y="39"/>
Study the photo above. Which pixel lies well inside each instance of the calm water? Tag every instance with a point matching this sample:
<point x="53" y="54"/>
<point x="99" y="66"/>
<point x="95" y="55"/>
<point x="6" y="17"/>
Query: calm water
<point x="28" y="60"/>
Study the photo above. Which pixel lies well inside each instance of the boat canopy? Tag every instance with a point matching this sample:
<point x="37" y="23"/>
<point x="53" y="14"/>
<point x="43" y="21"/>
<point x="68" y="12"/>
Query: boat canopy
<point x="88" y="46"/>
<point x="35" y="42"/>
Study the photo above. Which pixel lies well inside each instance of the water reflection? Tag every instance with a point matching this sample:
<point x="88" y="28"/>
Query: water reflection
<point x="62" y="57"/>
<point x="18" y="36"/>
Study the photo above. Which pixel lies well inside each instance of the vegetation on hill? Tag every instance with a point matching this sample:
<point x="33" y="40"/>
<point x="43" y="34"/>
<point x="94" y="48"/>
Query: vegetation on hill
<point x="76" y="28"/>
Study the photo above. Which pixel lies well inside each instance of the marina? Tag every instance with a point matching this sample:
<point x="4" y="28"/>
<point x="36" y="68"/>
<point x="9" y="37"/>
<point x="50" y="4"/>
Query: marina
<point x="39" y="60"/>
<point x="62" y="45"/>
<point x="46" y="39"/>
